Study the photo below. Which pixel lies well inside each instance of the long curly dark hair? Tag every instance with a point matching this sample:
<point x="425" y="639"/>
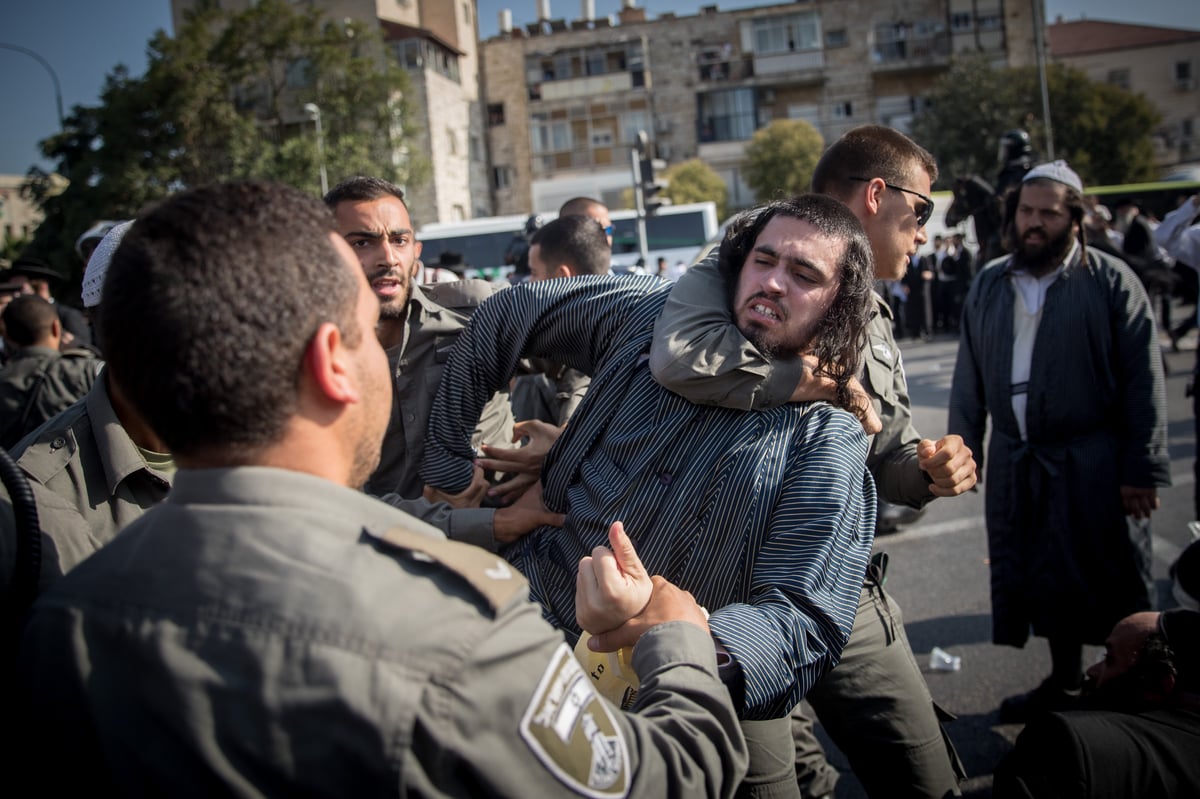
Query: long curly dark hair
<point x="841" y="335"/>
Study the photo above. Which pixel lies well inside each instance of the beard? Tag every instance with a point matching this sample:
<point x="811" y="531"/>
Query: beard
<point x="393" y="307"/>
<point x="1039" y="259"/>
<point x="776" y="348"/>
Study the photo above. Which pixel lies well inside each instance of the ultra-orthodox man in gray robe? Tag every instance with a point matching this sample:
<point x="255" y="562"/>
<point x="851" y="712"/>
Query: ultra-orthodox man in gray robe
<point x="1065" y="559"/>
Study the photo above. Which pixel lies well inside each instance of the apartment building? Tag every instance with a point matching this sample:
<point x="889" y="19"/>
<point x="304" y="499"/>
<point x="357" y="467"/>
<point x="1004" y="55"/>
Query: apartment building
<point x="565" y="97"/>
<point x="19" y="215"/>
<point x="435" y="40"/>
<point x="1160" y="63"/>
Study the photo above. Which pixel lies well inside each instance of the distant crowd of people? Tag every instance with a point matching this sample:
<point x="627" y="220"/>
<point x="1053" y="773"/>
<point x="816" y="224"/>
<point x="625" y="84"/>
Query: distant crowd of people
<point x="323" y="522"/>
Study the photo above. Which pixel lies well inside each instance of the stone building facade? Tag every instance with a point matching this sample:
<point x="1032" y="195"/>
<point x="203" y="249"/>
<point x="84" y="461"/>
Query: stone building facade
<point x="19" y="216"/>
<point x="565" y="98"/>
<point x="435" y="40"/>
<point x="1163" y="64"/>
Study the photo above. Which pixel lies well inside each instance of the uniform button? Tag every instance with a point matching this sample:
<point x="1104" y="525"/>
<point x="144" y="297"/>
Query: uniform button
<point x="58" y="443"/>
<point x="664" y="478"/>
<point x="410" y="417"/>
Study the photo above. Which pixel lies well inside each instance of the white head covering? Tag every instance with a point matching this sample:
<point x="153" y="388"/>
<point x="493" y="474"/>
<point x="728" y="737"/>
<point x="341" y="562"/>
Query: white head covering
<point x="1057" y="171"/>
<point x="97" y="265"/>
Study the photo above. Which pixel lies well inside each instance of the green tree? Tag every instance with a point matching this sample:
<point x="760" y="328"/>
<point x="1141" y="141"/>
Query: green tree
<point x="781" y="157"/>
<point x="694" y="181"/>
<point x="224" y="100"/>
<point x="1103" y="131"/>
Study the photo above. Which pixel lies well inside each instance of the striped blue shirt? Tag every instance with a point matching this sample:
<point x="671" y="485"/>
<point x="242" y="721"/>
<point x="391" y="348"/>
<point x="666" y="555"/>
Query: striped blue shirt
<point x="767" y="517"/>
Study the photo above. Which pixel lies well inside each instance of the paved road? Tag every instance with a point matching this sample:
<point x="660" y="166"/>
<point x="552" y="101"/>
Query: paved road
<point x="938" y="573"/>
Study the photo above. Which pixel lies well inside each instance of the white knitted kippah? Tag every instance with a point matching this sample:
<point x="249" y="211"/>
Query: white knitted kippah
<point x="1056" y="171"/>
<point x="97" y="265"/>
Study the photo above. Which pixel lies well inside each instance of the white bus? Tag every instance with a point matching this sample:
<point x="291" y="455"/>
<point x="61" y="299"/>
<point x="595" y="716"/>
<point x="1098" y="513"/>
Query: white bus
<point x="676" y="233"/>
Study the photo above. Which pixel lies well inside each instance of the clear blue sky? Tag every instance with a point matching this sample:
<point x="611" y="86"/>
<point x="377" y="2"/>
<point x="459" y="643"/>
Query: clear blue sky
<point x="83" y="40"/>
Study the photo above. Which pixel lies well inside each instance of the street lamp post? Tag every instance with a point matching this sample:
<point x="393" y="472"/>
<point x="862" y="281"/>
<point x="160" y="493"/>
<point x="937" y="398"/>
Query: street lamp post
<point x="1039" y="35"/>
<point x="50" y="69"/>
<point x="314" y="112"/>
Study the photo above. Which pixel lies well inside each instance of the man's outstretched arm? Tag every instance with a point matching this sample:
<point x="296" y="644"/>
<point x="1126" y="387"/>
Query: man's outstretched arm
<point x="572" y="320"/>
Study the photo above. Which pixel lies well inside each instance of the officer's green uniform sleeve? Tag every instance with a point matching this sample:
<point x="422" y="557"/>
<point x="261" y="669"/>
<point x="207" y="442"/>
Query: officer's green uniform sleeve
<point x="466" y="525"/>
<point x="521" y="718"/>
<point x="699" y="353"/>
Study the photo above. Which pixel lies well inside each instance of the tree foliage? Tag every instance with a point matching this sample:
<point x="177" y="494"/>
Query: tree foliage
<point x="694" y="181"/>
<point x="1103" y="131"/>
<point x="781" y="157"/>
<point x="224" y="100"/>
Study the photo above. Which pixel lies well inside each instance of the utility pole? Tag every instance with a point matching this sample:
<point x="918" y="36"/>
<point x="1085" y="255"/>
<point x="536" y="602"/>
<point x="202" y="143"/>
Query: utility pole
<point x="314" y="112"/>
<point x="1039" y="35"/>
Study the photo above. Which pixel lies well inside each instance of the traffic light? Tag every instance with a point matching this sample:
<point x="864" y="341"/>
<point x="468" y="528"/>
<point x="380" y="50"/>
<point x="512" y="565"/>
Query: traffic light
<point x="648" y="185"/>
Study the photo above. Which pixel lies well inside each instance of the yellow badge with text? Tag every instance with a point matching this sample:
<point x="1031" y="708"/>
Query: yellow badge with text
<point x="611" y="672"/>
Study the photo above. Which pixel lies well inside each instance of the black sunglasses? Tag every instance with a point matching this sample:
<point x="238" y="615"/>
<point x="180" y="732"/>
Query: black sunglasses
<point x="923" y="213"/>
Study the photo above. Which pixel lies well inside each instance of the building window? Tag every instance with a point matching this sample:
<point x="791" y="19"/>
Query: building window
<point x="602" y="137"/>
<point x="1119" y="77"/>
<point x="843" y="110"/>
<point x="788" y="34"/>
<point x="452" y="139"/>
<point x="424" y="54"/>
<point x="501" y="177"/>
<point x="713" y="61"/>
<point x="990" y="22"/>
<point x="900" y="41"/>
<point x="960" y="22"/>
<point x="727" y="115"/>
<point x="550" y="137"/>
<point x="495" y="114"/>
<point x="476" y="145"/>
<point x="584" y="62"/>
<point x="837" y="38"/>
<point x="631" y="123"/>
<point x="299" y="74"/>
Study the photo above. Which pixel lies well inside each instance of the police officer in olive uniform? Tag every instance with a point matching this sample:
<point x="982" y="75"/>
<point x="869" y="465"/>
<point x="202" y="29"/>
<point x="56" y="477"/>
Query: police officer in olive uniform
<point x="92" y="469"/>
<point x="267" y="629"/>
<point x="418" y="327"/>
<point x="40" y="379"/>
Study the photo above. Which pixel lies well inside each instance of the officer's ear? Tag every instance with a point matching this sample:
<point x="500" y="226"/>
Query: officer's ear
<point x="329" y="366"/>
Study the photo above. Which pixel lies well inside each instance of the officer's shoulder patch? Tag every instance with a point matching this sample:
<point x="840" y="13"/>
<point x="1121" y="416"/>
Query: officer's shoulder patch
<point x="572" y="731"/>
<point x="488" y="573"/>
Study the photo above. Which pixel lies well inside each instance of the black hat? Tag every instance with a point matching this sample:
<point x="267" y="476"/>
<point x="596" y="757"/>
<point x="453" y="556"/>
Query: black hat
<point x="35" y="269"/>
<point x="453" y="261"/>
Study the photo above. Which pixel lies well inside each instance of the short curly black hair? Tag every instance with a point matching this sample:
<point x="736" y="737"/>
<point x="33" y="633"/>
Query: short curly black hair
<point x="209" y="305"/>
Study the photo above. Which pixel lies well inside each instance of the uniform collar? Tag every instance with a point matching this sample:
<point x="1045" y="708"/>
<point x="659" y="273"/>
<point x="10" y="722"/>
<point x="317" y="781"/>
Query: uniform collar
<point x="882" y="307"/>
<point x="118" y="454"/>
